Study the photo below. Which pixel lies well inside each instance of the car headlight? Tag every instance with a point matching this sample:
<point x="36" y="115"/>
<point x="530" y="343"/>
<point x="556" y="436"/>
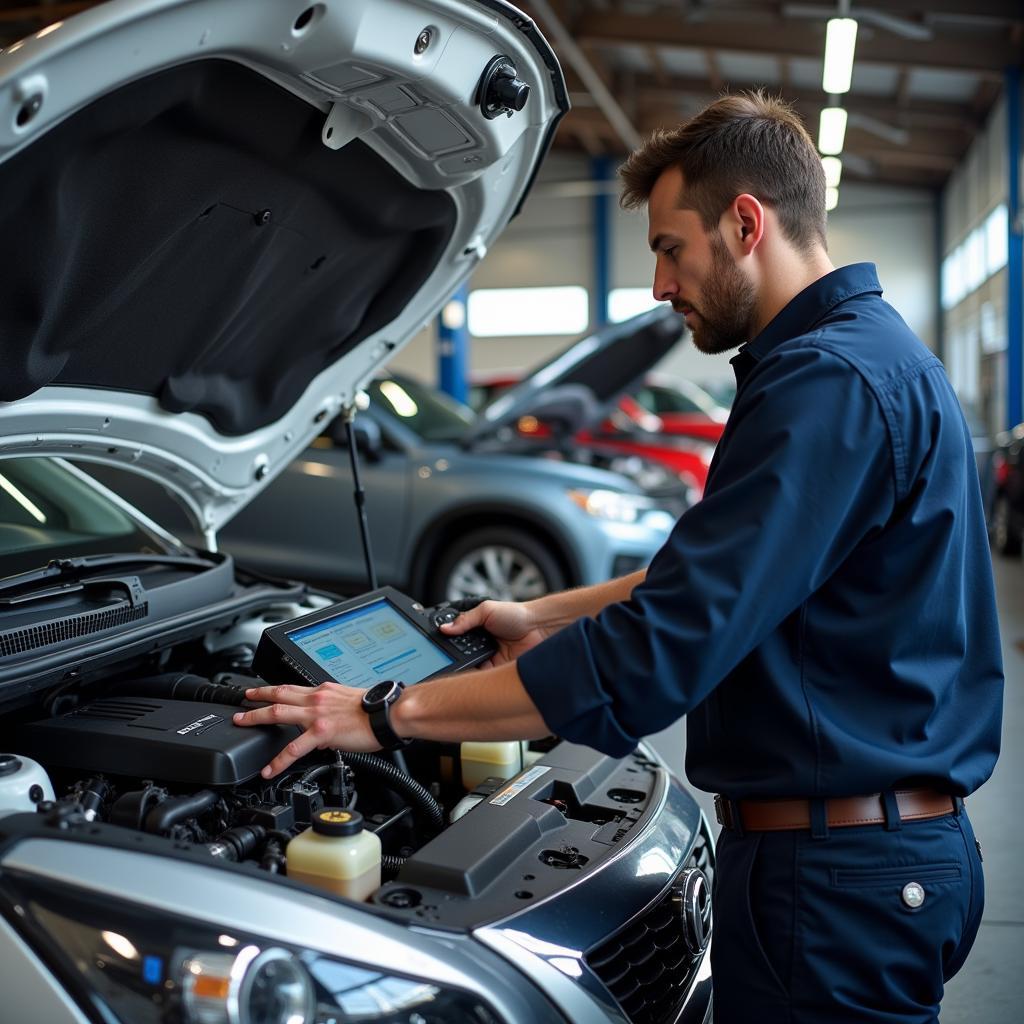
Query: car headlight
<point x="612" y="505"/>
<point x="126" y="963"/>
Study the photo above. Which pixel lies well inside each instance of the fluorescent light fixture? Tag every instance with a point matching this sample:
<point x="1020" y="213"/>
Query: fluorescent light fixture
<point x="831" y="197"/>
<point x="833" y="170"/>
<point x="840" y="41"/>
<point x="832" y="130"/>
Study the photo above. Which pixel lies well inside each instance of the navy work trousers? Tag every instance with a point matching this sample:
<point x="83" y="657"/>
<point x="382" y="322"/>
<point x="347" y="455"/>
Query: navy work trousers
<point x="822" y="930"/>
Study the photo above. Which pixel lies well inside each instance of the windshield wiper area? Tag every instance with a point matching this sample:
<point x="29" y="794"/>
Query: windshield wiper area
<point x="67" y="572"/>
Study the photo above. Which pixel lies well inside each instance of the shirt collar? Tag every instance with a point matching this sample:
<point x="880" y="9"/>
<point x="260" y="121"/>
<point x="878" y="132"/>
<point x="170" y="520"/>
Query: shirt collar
<point x="808" y="308"/>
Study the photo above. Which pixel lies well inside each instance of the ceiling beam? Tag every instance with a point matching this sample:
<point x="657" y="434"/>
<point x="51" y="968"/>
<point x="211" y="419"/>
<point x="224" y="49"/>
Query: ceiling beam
<point x="916" y="113"/>
<point x="571" y="53"/>
<point x="986" y="55"/>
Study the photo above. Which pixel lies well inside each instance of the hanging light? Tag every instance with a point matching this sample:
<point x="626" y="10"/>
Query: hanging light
<point x="832" y="130"/>
<point x="840" y="41"/>
<point x="831" y="197"/>
<point x="833" y="170"/>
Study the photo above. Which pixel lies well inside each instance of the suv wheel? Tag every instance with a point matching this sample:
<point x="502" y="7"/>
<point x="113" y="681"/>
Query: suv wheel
<point x="501" y="563"/>
<point x="1007" y="540"/>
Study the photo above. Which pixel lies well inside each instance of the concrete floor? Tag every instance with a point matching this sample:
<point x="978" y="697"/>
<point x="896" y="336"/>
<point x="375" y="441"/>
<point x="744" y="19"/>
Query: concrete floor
<point x="986" y="990"/>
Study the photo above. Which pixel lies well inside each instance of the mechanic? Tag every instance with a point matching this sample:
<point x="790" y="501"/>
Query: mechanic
<point x="825" y="616"/>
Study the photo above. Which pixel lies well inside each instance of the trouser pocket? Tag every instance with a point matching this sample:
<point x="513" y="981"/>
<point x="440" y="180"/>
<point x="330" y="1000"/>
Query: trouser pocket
<point x="748" y="984"/>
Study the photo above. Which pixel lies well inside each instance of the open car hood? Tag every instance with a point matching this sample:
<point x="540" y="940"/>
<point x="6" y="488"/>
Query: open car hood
<point x="581" y="385"/>
<point x="220" y="218"/>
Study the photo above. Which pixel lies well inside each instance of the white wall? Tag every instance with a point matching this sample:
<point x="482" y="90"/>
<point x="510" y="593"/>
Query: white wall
<point x="550" y="243"/>
<point x="894" y="228"/>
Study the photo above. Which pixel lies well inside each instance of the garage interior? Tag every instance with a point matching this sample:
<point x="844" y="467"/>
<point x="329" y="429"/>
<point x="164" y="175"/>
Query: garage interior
<point x="932" y="165"/>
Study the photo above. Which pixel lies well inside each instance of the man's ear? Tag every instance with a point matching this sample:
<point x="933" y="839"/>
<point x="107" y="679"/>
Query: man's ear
<point x="745" y="217"/>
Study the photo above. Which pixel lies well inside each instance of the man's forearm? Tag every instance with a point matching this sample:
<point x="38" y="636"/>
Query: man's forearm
<point x="554" y="611"/>
<point x="491" y="704"/>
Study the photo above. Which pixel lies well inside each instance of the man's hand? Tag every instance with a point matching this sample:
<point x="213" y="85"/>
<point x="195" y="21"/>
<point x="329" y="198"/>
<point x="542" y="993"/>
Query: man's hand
<point x="331" y="715"/>
<point x="509" y="622"/>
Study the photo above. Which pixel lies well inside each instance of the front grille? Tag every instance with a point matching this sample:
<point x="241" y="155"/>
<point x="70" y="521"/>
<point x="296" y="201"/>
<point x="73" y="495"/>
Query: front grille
<point x="17" y="641"/>
<point x="647" y="966"/>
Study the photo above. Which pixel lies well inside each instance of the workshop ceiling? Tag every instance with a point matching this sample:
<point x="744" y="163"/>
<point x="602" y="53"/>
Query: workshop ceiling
<point x="926" y="74"/>
<point x="925" y="77"/>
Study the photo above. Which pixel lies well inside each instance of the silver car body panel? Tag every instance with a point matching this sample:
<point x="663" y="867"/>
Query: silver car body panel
<point x="544" y="940"/>
<point x="283" y="915"/>
<point x="343" y="65"/>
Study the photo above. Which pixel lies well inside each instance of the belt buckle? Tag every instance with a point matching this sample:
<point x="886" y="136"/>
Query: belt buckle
<point x="723" y="811"/>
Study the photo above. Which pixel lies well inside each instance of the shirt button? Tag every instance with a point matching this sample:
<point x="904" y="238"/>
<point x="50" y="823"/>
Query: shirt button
<point x="913" y="895"/>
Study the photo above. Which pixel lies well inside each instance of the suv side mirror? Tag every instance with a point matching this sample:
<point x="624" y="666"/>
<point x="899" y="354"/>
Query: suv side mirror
<point x="369" y="441"/>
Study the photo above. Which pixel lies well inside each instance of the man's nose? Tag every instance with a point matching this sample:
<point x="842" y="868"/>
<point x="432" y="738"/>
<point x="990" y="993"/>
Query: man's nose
<point x="664" y="287"/>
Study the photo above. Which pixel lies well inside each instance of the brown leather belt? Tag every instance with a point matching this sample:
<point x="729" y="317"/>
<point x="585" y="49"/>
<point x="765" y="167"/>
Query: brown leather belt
<point x="779" y="815"/>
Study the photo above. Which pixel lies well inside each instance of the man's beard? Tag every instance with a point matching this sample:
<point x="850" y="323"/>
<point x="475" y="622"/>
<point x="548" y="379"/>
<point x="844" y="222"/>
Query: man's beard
<point x="726" y="317"/>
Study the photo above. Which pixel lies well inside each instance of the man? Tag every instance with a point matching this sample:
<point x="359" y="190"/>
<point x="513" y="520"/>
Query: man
<point x="824" y="617"/>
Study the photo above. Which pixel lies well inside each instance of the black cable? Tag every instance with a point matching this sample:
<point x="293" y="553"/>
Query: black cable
<point x="359" y="496"/>
<point x="390" y="776"/>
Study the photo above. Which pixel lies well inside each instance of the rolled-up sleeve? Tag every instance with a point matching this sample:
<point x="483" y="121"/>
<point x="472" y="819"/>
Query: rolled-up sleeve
<point x="804" y="473"/>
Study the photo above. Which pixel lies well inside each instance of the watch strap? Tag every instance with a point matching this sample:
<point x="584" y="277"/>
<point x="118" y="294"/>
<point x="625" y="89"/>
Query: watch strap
<point x="383" y="730"/>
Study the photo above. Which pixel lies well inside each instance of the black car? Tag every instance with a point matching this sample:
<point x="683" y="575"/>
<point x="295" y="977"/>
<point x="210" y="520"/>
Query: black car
<point x="1007" y="505"/>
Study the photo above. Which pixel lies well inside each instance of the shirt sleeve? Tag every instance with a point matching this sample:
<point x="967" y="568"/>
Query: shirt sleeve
<point x="803" y="475"/>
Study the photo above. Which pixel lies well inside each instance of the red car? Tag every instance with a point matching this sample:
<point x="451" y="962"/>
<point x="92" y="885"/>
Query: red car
<point x="625" y="424"/>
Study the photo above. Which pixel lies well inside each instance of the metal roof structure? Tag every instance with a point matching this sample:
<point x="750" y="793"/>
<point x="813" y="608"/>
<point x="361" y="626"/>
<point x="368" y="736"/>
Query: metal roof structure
<point x="926" y="74"/>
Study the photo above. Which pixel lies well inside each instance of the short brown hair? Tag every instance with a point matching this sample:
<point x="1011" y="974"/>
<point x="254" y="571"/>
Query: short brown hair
<point x="748" y="142"/>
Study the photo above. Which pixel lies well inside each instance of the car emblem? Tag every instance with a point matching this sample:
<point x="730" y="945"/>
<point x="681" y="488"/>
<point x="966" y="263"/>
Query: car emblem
<point x="691" y="898"/>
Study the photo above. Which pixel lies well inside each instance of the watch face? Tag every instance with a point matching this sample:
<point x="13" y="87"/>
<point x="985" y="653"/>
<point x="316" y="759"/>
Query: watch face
<point x="379" y="692"/>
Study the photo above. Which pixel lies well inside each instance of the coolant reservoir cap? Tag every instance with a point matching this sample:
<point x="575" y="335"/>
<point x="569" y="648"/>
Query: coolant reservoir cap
<point x="332" y="821"/>
<point x="9" y="764"/>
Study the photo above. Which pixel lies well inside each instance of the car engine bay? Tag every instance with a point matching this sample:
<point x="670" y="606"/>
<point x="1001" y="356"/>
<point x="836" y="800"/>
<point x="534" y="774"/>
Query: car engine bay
<point x="154" y="754"/>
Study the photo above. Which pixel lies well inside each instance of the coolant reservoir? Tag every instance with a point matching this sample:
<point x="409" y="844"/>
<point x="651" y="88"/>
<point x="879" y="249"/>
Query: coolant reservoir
<point x="337" y="854"/>
<point x="23" y="783"/>
<point x="481" y="760"/>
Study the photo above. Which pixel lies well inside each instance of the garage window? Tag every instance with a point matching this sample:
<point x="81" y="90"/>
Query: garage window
<point x="517" y="312"/>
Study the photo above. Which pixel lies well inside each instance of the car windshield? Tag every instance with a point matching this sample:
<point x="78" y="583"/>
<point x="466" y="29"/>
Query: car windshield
<point x="47" y="511"/>
<point x="430" y="413"/>
<point x="660" y="399"/>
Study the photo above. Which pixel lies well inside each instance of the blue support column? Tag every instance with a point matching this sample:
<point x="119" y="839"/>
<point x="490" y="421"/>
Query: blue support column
<point x="1015" y="261"/>
<point x="601" y="171"/>
<point x="453" y="346"/>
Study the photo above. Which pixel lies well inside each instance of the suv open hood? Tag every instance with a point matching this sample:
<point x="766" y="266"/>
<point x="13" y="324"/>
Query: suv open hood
<point x="220" y="218"/>
<point x="582" y="384"/>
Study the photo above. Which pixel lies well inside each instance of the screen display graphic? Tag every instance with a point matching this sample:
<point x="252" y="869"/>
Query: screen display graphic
<point x="368" y="644"/>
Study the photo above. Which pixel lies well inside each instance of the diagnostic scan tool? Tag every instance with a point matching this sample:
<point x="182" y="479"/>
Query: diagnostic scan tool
<point x="360" y="642"/>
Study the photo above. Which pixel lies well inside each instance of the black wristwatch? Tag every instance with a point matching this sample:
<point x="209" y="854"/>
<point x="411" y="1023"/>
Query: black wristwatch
<point x="377" y="703"/>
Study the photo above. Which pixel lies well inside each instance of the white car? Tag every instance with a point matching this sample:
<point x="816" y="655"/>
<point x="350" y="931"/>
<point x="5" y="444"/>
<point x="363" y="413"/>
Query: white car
<point x="219" y="219"/>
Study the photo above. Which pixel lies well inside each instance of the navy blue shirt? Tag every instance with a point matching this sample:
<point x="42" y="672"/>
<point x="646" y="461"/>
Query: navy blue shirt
<point x="825" y="616"/>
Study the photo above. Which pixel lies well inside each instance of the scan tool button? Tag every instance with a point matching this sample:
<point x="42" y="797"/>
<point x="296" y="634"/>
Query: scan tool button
<point x="445" y="616"/>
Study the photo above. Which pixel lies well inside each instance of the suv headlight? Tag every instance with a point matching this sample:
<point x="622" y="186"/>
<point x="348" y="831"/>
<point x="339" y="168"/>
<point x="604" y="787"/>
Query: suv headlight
<point x="612" y="505"/>
<point x="141" y="968"/>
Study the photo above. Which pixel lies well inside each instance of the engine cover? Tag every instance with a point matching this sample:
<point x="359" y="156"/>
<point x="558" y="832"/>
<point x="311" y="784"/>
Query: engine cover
<point x="168" y="740"/>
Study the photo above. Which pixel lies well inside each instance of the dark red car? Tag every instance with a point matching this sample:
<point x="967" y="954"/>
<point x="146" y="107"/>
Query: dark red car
<point x="607" y="375"/>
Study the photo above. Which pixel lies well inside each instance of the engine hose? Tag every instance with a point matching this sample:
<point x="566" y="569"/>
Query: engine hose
<point x="237" y="843"/>
<point x="390" y="866"/>
<point x="407" y="786"/>
<point x="91" y="796"/>
<point x="183" y="686"/>
<point x="177" y="808"/>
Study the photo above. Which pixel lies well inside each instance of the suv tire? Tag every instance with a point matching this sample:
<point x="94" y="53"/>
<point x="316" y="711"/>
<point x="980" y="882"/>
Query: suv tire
<point x="502" y="562"/>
